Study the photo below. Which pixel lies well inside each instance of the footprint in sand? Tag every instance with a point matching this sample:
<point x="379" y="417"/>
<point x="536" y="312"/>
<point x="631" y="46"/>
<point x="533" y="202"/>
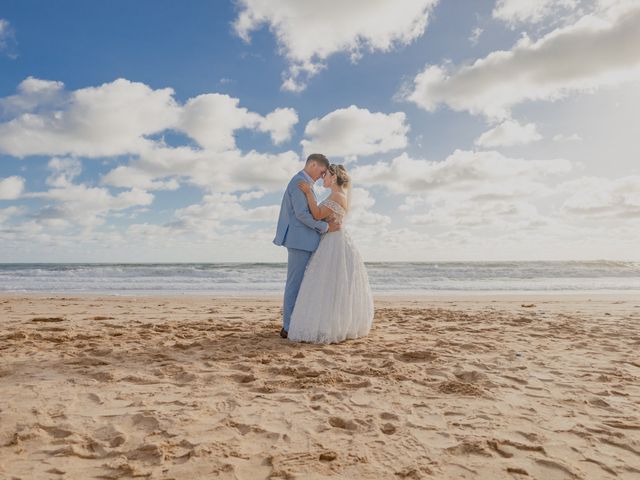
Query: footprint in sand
<point x="520" y="381"/>
<point x="389" y="416"/>
<point x="361" y="399"/>
<point x="459" y="388"/>
<point x="102" y="376"/>
<point x="145" y="422"/>
<point x="57" y="471"/>
<point x="388" y="429"/>
<point x="100" y="352"/>
<point x="243" y="378"/>
<point x="416" y="356"/>
<point x="517" y="471"/>
<point x="469" y="447"/>
<point x="338" y="422"/>
<point x="138" y="380"/>
<point x="110" y="435"/>
<point x="55" y="431"/>
<point x="88" y="362"/>
<point x="287" y="463"/>
<point x="328" y="456"/>
<point x="470" y="376"/>
<point x="148" y="453"/>
<point x="94" y="398"/>
<point x="599" y="402"/>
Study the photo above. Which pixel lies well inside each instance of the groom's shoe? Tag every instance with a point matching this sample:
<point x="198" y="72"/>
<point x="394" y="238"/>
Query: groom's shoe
<point x="284" y="333"/>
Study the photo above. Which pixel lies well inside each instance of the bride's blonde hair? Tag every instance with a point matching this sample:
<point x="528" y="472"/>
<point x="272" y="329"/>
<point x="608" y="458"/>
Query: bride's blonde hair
<point x="342" y="177"/>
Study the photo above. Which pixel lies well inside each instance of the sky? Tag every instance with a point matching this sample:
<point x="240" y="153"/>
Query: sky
<point x="162" y="131"/>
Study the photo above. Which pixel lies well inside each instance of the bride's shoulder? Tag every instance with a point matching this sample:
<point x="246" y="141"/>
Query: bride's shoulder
<point x="340" y="198"/>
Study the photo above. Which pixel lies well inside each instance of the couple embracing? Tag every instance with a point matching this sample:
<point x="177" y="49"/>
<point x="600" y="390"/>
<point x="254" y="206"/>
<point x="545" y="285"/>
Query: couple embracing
<point x="327" y="296"/>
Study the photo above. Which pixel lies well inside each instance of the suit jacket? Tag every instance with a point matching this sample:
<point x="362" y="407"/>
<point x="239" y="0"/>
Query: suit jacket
<point x="296" y="226"/>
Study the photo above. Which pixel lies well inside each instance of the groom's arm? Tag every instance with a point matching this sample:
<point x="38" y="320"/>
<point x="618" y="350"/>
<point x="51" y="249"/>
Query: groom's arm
<point x="301" y="210"/>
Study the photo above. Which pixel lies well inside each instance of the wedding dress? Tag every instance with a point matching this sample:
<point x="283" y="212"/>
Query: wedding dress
<point x="334" y="302"/>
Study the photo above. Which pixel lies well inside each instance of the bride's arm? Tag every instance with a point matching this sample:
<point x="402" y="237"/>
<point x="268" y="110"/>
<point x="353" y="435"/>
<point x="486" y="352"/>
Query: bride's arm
<point x="318" y="212"/>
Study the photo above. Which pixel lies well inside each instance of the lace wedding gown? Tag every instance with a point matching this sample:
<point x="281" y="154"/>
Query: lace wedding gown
<point x="334" y="302"/>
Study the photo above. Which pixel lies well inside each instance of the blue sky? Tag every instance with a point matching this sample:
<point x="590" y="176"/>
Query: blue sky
<point x="166" y="131"/>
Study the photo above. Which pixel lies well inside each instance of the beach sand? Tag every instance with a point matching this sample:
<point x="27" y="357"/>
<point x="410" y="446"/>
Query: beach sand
<point x="188" y="387"/>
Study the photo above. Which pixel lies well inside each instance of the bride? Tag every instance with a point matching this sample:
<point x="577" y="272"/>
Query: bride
<point x="334" y="302"/>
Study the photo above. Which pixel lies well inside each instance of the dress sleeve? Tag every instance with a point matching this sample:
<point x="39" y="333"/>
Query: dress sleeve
<point x="333" y="206"/>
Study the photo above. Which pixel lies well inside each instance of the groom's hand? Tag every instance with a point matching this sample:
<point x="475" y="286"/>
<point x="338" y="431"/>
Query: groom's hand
<point x="305" y="187"/>
<point x="333" y="226"/>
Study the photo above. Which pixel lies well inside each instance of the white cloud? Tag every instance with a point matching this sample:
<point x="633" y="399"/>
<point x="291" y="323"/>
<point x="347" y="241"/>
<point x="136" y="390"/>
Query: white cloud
<point x="308" y="32"/>
<point x="211" y="217"/>
<point x="485" y="199"/>
<point x="475" y="35"/>
<point x="508" y="133"/>
<point x="126" y="176"/>
<point x="476" y="174"/>
<point x="11" y="187"/>
<point x="4" y="27"/>
<point x="64" y="171"/>
<point x="468" y="189"/>
<point x="7" y="39"/>
<point x="279" y="124"/>
<point x="6" y="213"/>
<point x="505" y="214"/>
<point x="111" y="119"/>
<point x="227" y="171"/>
<point x="117" y="118"/>
<point x="599" y="197"/>
<point x="263" y="213"/>
<point x="213" y="118"/>
<point x="547" y="69"/>
<point x="150" y="233"/>
<point x="528" y="11"/>
<point x="251" y="195"/>
<point x="78" y="203"/>
<point x="351" y="132"/>
<point x="86" y="205"/>
<point x="361" y="215"/>
<point x="560" y="137"/>
<point x="223" y="215"/>
<point x="33" y="93"/>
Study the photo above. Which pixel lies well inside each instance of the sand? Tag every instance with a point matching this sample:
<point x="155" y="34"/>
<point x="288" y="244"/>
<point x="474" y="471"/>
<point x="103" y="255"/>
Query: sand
<point x="495" y="387"/>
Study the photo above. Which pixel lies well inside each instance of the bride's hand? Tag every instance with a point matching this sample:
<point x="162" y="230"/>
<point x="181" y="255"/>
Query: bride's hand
<point x="305" y="187"/>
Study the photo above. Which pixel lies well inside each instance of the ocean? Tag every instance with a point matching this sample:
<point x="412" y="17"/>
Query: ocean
<point x="268" y="278"/>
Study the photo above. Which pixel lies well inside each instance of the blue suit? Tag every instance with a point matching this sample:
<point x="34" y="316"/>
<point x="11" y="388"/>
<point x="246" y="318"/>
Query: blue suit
<point x="300" y="233"/>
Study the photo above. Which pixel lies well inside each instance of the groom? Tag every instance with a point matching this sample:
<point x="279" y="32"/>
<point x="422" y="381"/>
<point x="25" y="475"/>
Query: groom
<point x="299" y="231"/>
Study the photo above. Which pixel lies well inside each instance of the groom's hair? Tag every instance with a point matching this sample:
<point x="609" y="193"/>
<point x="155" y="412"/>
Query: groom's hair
<point x="319" y="158"/>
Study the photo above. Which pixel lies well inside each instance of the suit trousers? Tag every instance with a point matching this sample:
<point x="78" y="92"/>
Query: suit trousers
<point x="296" y="265"/>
